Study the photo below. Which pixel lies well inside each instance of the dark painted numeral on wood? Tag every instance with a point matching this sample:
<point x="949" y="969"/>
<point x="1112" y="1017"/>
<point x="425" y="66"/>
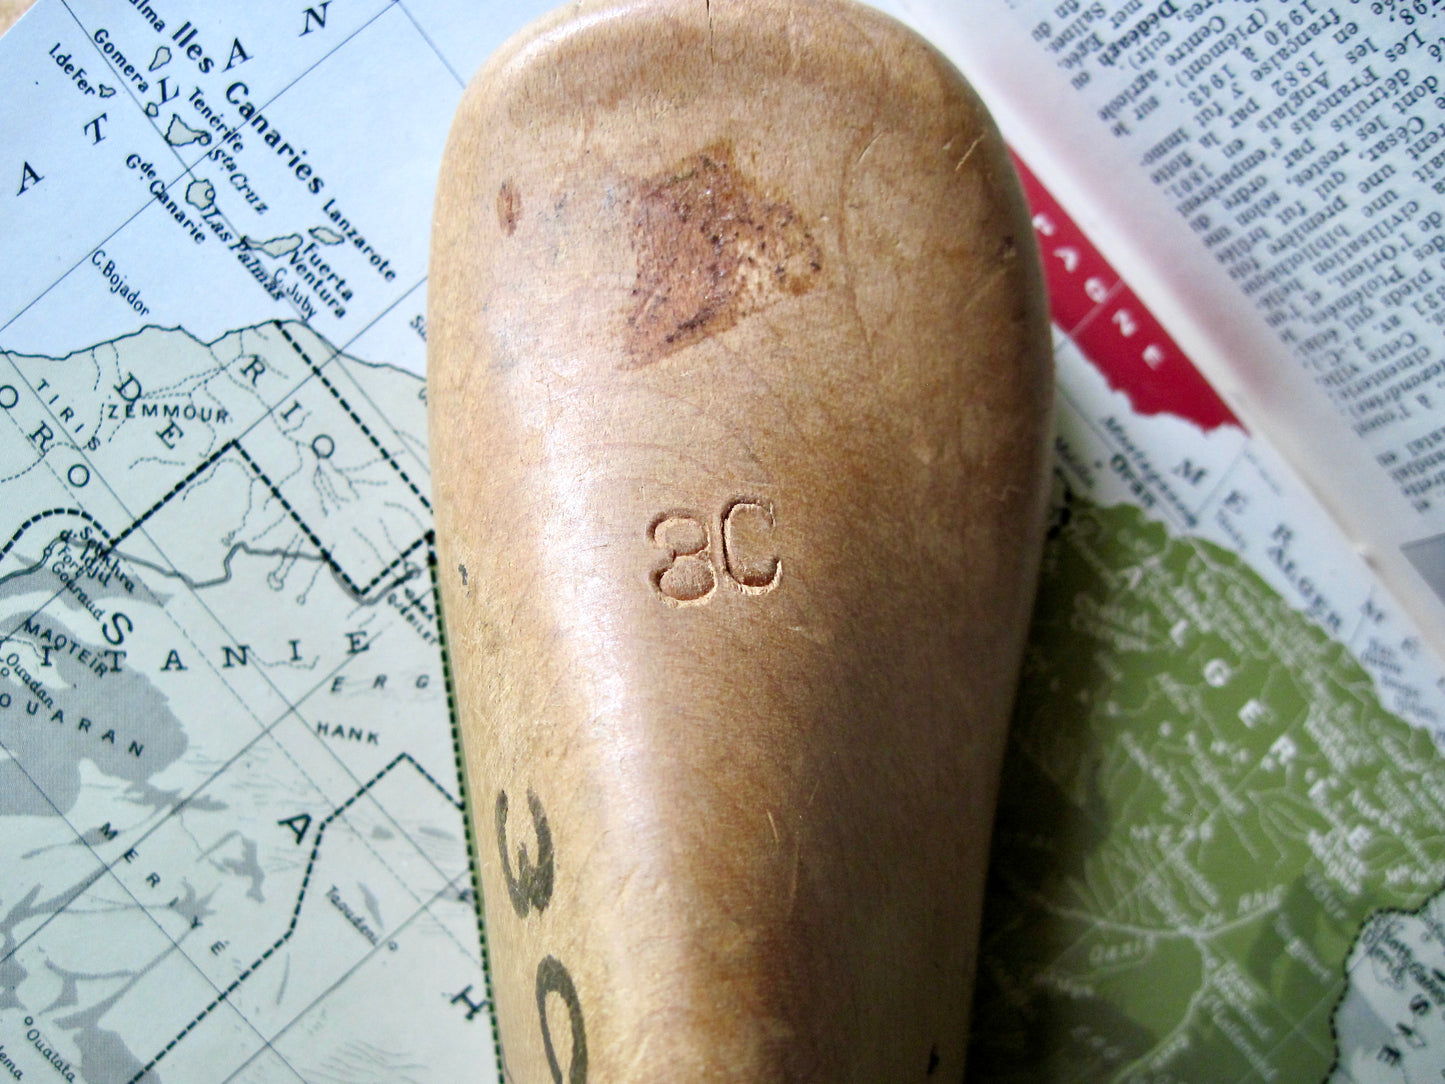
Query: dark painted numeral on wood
<point x="552" y="978"/>
<point x="529" y="886"/>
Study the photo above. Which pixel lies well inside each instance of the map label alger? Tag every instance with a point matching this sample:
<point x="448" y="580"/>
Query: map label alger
<point x="1318" y="606"/>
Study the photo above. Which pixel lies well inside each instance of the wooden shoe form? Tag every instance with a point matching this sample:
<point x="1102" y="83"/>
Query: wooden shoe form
<point x="740" y="396"/>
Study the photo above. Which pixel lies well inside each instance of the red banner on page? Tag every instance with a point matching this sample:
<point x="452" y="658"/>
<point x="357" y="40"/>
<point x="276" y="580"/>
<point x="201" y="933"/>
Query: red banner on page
<point x="1106" y="320"/>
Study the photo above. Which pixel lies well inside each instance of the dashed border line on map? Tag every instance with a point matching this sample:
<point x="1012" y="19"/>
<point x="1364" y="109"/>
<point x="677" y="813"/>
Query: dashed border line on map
<point x="428" y="539"/>
<point x="316" y="371"/>
<point x="332" y="563"/>
<point x="195" y="473"/>
<point x="81" y="512"/>
<point x="225" y="994"/>
<point x="434" y="571"/>
<point x="205" y="464"/>
<point x="112" y="543"/>
<point x="1369" y="920"/>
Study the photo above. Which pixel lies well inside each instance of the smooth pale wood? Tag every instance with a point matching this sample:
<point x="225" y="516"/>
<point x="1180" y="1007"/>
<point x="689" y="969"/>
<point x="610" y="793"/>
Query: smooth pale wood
<point x="740" y="392"/>
<point x="10" y="12"/>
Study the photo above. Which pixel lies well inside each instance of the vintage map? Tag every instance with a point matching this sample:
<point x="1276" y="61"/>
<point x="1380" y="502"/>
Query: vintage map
<point x="232" y="844"/>
<point x="1220" y="851"/>
<point x="231" y="831"/>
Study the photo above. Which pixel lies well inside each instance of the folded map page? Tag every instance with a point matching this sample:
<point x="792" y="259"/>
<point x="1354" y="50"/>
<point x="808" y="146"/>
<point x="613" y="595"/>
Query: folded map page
<point x="231" y="827"/>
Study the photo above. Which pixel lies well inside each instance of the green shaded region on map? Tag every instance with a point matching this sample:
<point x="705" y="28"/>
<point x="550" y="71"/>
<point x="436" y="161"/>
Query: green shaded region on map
<point x="1203" y="805"/>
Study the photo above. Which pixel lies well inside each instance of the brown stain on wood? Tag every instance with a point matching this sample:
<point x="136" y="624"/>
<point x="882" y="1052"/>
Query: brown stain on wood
<point x="712" y="248"/>
<point x="509" y="207"/>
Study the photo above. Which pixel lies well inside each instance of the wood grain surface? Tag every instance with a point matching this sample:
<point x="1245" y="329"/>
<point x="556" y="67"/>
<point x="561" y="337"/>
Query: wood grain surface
<point x="10" y="12"/>
<point x="740" y="391"/>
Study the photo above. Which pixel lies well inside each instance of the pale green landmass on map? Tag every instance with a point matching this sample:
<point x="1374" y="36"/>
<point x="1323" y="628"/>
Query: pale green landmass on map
<point x="275" y="246"/>
<point x="1204" y="805"/>
<point x="181" y="134"/>
<point x="201" y="194"/>
<point x="224" y="725"/>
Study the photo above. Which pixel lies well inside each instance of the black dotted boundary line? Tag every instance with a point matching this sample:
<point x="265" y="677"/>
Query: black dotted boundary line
<point x="112" y="543"/>
<point x="316" y="369"/>
<point x="225" y="994"/>
<point x="332" y="563"/>
<point x="465" y="804"/>
<point x="1368" y="921"/>
<point x="82" y="513"/>
<point x="211" y="459"/>
<point x="200" y="469"/>
<point x="196" y="472"/>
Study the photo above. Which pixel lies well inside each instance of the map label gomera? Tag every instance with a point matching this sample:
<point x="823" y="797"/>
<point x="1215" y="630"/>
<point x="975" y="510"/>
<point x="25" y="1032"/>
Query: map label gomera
<point x="118" y="286"/>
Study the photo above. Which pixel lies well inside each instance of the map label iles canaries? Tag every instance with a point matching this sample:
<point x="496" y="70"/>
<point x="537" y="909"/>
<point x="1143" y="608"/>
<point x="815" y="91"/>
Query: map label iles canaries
<point x="232" y="836"/>
<point x="231" y="828"/>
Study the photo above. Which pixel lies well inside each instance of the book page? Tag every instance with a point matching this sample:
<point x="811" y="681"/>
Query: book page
<point x="1195" y="877"/>
<point x="1270" y="176"/>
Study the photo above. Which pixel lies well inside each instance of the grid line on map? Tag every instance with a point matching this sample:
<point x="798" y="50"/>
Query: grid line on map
<point x="433" y="570"/>
<point x="145" y="523"/>
<point x="331" y="562"/>
<point x="402" y="927"/>
<point x="235" y="984"/>
<point x="200" y="469"/>
<point x="138" y="524"/>
<point x="386" y="455"/>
